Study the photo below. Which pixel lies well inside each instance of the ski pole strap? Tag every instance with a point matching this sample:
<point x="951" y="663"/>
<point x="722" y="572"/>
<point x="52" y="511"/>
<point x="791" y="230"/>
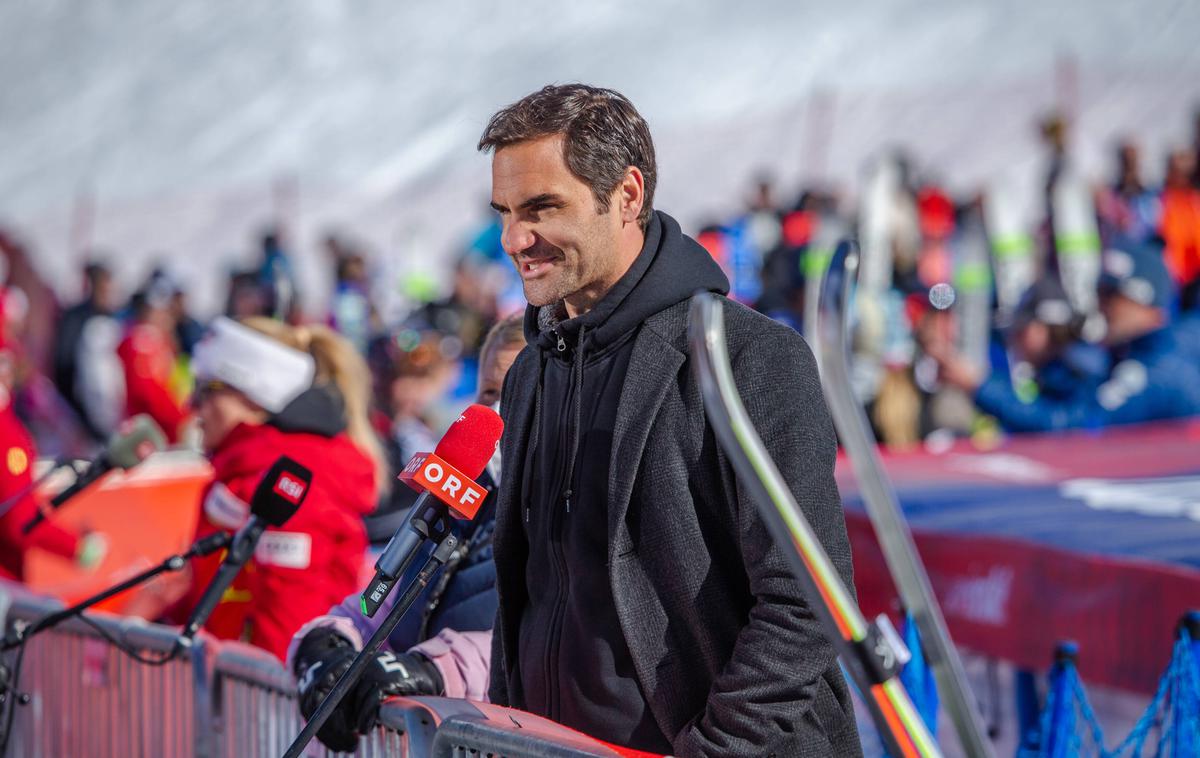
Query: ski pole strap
<point x="880" y="653"/>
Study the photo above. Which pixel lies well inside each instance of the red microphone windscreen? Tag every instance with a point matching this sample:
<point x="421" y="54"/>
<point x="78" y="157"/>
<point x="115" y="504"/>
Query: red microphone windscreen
<point x="471" y="440"/>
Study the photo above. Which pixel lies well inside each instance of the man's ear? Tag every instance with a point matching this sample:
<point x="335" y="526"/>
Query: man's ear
<point x="631" y="194"/>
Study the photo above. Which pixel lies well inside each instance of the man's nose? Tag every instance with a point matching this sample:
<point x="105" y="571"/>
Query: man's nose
<point x="517" y="236"/>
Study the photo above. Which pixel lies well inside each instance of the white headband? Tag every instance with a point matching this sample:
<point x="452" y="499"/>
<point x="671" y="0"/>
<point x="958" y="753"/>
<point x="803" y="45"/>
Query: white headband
<point x="268" y="372"/>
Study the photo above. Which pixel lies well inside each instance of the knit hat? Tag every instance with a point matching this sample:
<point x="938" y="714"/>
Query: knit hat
<point x="1045" y="302"/>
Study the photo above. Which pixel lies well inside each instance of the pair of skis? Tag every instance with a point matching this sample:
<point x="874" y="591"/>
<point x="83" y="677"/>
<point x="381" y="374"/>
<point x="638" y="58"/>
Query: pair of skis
<point x="868" y="649"/>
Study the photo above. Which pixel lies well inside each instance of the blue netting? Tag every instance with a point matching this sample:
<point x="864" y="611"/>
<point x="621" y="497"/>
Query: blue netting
<point x="1069" y="727"/>
<point x="1066" y="716"/>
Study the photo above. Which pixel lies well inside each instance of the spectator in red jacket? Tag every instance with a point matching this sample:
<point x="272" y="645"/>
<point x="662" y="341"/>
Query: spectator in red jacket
<point x="18" y="499"/>
<point x="264" y="389"/>
<point x="148" y="356"/>
<point x="1181" y="226"/>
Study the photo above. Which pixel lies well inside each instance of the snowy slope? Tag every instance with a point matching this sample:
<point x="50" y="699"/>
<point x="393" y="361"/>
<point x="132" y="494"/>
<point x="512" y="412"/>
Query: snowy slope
<point x="178" y="128"/>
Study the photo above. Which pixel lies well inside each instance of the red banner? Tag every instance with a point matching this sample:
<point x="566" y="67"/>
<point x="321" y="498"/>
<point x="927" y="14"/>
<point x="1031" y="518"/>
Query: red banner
<point x="1014" y="600"/>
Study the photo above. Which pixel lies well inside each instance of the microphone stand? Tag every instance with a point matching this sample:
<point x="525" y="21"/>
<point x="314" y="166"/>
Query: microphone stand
<point x="351" y="676"/>
<point x="204" y="546"/>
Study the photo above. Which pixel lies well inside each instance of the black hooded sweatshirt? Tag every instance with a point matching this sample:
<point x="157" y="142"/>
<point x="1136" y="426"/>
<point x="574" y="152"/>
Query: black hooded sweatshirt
<point x="574" y="664"/>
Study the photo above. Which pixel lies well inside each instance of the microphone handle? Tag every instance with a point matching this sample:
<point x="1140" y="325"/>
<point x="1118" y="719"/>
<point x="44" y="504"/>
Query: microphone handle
<point x="21" y="494"/>
<point x="240" y="550"/>
<point x="99" y="468"/>
<point x="400" y="553"/>
<point x="210" y="544"/>
<point x="350" y="676"/>
<point x="428" y="521"/>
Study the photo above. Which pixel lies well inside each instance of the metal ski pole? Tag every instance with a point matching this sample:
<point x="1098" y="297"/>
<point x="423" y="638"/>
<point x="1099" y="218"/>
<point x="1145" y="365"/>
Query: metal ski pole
<point x="891" y="530"/>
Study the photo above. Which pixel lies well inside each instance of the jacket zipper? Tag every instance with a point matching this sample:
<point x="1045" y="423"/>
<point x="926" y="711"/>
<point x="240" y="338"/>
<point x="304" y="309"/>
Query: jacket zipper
<point x="554" y="643"/>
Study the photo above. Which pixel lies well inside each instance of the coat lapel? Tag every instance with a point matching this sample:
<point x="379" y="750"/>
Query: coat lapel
<point x="517" y="410"/>
<point x="653" y="366"/>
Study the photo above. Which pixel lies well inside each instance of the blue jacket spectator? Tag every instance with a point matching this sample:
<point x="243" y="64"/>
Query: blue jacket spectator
<point x="1068" y="381"/>
<point x="1154" y="374"/>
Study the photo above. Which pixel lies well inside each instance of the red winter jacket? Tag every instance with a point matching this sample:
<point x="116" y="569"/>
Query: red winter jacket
<point x="16" y="474"/>
<point x="302" y="569"/>
<point x="148" y="358"/>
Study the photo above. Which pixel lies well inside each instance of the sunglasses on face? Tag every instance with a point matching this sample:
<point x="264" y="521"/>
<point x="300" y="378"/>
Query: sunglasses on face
<point x="206" y="389"/>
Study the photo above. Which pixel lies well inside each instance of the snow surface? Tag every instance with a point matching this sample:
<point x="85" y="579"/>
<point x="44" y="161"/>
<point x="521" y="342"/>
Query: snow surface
<point x="175" y="130"/>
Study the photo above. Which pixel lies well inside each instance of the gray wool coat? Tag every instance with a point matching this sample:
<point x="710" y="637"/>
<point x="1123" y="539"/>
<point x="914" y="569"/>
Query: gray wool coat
<point x="727" y="653"/>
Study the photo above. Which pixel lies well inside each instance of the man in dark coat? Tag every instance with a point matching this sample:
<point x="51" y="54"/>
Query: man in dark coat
<point x="73" y="336"/>
<point x="641" y="598"/>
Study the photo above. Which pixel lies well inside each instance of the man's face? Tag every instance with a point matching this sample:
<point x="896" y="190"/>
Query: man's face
<point x="1033" y="343"/>
<point x="559" y="243"/>
<point x="104" y="293"/>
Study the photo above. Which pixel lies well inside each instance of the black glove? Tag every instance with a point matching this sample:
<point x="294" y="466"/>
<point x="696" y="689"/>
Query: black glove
<point x="322" y="658"/>
<point x="389" y="675"/>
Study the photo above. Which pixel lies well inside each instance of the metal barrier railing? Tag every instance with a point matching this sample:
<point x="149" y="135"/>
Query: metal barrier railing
<point x="88" y="698"/>
<point x="221" y="700"/>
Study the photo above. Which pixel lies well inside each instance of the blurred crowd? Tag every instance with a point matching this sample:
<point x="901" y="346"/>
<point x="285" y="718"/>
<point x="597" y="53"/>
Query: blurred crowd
<point x="80" y="368"/>
<point x="1083" y="317"/>
<point x="989" y="313"/>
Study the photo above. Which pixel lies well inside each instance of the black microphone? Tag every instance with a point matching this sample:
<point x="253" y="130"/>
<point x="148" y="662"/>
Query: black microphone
<point x="133" y="443"/>
<point x="279" y="494"/>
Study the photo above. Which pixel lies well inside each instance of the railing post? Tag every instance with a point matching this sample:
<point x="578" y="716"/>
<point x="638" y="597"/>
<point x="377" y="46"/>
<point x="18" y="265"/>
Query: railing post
<point x="205" y="700"/>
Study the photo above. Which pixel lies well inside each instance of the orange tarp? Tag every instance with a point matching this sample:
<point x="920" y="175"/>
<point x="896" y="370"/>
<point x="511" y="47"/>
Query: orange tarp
<point x="147" y="514"/>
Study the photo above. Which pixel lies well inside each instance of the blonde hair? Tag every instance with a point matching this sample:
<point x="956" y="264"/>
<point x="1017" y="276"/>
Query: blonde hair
<point x="339" y="364"/>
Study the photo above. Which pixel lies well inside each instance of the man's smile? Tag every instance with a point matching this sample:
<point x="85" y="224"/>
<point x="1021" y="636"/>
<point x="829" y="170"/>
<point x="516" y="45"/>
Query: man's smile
<point x="533" y="264"/>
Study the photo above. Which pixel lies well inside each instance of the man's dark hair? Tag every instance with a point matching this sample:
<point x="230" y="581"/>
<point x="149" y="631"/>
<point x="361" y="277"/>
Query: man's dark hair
<point x="603" y="135"/>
